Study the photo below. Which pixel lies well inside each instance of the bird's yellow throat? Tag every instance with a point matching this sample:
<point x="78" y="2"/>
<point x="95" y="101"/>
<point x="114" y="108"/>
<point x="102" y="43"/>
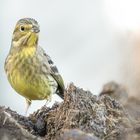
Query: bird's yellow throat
<point x="27" y="44"/>
<point x="27" y="52"/>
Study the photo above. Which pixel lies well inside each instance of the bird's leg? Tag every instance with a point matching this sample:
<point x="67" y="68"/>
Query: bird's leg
<point x="28" y="103"/>
<point x="46" y="104"/>
<point x="48" y="100"/>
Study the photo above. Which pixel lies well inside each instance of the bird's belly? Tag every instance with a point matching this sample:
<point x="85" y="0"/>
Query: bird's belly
<point x="28" y="80"/>
<point x="37" y="88"/>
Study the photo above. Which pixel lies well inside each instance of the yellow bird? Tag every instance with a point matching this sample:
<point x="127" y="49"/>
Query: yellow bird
<point x="30" y="71"/>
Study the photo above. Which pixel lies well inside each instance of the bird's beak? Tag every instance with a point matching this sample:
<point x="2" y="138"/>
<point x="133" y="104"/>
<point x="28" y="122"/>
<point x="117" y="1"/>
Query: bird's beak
<point x="35" y="29"/>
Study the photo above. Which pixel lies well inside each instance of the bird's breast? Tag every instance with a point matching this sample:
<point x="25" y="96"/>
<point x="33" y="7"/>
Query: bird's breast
<point x="25" y="77"/>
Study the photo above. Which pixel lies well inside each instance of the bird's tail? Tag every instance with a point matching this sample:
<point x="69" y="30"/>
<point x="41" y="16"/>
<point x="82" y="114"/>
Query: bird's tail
<point x="60" y="92"/>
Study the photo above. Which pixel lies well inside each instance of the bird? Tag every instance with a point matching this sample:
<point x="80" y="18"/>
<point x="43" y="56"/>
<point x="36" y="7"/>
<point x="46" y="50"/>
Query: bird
<point x="29" y="69"/>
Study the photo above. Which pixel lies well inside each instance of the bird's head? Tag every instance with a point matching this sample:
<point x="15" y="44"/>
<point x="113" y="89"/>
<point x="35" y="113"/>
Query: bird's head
<point x="26" y="33"/>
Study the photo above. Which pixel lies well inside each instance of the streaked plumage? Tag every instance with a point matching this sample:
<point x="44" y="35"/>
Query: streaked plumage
<point x="30" y="71"/>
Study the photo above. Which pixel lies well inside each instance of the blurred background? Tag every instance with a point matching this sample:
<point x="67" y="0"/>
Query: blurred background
<point x="92" y="42"/>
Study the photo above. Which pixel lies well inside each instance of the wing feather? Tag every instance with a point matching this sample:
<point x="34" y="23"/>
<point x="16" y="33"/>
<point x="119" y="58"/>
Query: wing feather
<point x="51" y="69"/>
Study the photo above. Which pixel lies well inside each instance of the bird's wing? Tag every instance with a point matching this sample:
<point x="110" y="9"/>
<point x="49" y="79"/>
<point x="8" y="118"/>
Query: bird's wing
<point x="51" y="69"/>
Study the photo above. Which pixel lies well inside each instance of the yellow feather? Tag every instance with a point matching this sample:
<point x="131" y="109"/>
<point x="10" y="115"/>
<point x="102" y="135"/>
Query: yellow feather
<point x="27" y="51"/>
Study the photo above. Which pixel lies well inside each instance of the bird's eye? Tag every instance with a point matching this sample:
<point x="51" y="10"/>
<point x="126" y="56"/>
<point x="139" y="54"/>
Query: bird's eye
<point x="22" y="28"/>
